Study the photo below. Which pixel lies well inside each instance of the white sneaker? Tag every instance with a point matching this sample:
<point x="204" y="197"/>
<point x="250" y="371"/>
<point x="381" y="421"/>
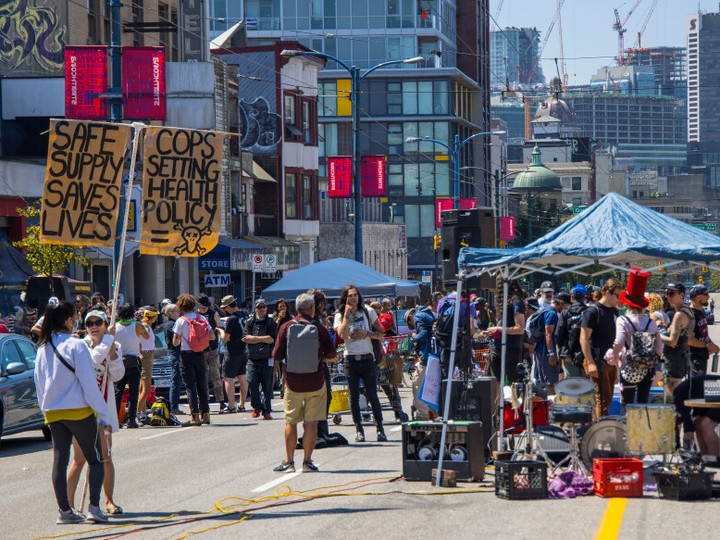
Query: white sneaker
<point x="95" y="515"/>
<point x="70" y="516"/>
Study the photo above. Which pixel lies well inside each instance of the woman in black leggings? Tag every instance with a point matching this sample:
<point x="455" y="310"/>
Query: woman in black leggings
<point x="68" y="394"/>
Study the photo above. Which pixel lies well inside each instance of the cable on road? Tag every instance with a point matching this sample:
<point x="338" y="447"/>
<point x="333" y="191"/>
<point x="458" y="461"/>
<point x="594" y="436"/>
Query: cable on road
<point x="283" y="495"/>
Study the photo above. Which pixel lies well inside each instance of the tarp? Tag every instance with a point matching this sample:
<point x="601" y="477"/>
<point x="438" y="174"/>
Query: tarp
<point x="333" y="275"/>
<point x="613" y="231"/>
<point x="14" y="269"/>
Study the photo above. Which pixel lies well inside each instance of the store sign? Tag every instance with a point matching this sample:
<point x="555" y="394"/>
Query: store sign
<point x="372" y="176"/>
<point x="216" y="280"/>
<point x="339" y="176"/>
<point x="143" y="83"/>
<point x="86" y="72"/>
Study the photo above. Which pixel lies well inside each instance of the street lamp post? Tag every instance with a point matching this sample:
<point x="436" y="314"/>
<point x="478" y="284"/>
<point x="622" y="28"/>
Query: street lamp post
<point x="356" y="78"/>
<point x="455" y="151"/>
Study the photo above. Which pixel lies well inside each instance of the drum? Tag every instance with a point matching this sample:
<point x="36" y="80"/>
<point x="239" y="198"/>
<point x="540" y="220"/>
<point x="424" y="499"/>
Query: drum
<point x="571" y="414"/>
<point x="604" y="439"/>
<point x="575" y="391"/>
<point x="650" y="428"/>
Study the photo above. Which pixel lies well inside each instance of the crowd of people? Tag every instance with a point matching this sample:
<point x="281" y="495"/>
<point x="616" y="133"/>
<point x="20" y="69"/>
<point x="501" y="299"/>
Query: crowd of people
<point x="94" y="378"/>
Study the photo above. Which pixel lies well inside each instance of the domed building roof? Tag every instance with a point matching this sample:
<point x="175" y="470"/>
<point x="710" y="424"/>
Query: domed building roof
<point x="556" y="107"/>
<point x="537" y="177"/>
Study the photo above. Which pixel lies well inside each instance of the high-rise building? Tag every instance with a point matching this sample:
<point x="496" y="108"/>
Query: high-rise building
<point x="445" y="96"/>
<point x="703" y="93"/>
<point x="515" y="58"/>
<point x="669" y="67"/>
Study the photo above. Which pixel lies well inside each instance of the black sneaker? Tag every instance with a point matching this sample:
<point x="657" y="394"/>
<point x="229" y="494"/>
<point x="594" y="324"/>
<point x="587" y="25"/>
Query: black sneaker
<point x="359" y="437"/>
<point x="309" y="466"/>
<point x="132" y="424"/>
<point x="286" y="467"/>
<point x="381" y="436"/>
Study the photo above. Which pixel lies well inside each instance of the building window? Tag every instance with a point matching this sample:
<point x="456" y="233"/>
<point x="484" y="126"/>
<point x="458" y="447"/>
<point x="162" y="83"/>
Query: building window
<point x="137" y="17"/>
<point x="300" y="115"/>
<point x="291" y="198"/>
<point x="307" y="199"/>
<point x="576" y="183"/>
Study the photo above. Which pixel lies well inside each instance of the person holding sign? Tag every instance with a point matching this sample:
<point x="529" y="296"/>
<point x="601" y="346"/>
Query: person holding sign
<point x="357" y="325"/>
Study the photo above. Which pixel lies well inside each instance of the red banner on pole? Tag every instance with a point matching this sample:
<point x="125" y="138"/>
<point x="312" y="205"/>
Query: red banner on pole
<point x="86" y="76"/>
<point x="507" y="229"/>
<point x="372" y="176"/>
<point x="339" y="172"/>
<point x="442" y="204"/>
<point x="143" y="87"/>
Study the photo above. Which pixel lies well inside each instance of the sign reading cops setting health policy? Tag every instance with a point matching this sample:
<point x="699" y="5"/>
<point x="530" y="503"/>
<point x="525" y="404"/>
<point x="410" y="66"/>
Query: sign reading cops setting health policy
<point x="81" y="196"/>
<point x="181" y="192"/>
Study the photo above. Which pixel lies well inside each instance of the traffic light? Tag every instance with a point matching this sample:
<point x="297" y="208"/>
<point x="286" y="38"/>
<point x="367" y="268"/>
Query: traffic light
<point x="437" y="239"/>
<point x="703" y="269"/>
<point x="700" y="280"/>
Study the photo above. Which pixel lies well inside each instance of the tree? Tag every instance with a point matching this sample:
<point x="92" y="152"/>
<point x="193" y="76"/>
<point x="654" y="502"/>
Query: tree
<point x="45" y="259"/>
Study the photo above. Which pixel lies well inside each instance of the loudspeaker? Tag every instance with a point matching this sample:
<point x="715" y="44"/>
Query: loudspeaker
<point x="463" y="453"/>
<point x="474" y="228"/>
<point x="554" y="441"/>
<point x="475" y="400"/>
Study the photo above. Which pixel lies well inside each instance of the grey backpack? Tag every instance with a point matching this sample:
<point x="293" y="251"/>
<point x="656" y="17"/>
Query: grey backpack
<point x="302" y="348"/>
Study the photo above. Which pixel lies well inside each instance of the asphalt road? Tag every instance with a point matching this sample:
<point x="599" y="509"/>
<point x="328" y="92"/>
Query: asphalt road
<point x="218" y="479"/>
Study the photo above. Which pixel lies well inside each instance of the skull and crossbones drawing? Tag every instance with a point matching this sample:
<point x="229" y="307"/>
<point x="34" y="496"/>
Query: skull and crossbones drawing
<point x="191" y="236"/>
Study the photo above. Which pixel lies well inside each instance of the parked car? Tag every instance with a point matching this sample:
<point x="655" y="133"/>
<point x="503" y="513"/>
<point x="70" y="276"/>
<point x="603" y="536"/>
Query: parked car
<point x="162" y="369"/>
<point x="19" y="409"/>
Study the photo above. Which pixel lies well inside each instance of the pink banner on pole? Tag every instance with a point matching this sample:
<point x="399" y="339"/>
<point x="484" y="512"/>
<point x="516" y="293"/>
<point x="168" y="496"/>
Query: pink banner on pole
<point x="468" y="204"/>
<point x="143" y="88"/>
<point x="86" y="76"/>
<point x="444" y="203"/>
<point x="372" y="176"/>
<point x="507" y="229"/>
<point x="339" y="173"/>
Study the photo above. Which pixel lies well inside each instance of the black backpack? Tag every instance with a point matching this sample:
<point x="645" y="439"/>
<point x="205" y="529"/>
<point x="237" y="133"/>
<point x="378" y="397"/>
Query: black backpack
<point x="573" y="325"/>
<point x="444" y="324"/>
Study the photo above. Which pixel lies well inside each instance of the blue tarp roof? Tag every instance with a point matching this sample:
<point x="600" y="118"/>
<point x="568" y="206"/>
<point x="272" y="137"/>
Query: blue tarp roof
<point x="333" y="275"/>
<point x="614" y="230"/>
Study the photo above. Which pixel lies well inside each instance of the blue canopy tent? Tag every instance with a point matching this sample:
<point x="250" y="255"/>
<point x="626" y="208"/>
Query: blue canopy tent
<point x="333" y="275"/>
<point x="614" y="232"/>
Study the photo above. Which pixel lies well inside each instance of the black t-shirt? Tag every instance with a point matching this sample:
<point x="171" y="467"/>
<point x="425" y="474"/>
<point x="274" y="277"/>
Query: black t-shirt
<point x="601" y="320"/>
<point x="234" y="328"/>
<point x="701" y="333"/>
<point x="210" y="318"/>
<point x="261" y="327"/>
<point x="514" y="341"/>
<point x="169" y="335"/>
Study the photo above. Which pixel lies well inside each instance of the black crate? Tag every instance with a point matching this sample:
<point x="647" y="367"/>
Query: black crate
<point x="517" y="480"/>
<point x="685" y="487"/>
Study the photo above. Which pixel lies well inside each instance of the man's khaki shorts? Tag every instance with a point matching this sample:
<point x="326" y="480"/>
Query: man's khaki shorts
<point x="305" y="406"/>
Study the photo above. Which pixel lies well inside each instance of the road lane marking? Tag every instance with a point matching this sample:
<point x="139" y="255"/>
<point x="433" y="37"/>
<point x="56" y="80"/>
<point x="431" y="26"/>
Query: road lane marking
<point x="164" y="433"/>
<point x="279" y="480"/>
<point x="610" y="525"/>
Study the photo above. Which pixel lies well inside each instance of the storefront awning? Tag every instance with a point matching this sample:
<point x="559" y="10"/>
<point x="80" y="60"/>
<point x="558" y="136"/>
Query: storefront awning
<point x="259" y="174"/>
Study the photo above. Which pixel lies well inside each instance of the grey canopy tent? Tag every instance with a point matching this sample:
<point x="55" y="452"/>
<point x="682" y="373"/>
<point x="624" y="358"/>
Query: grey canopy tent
<point x="333" y="275"/>
<point x="615" y="232"/>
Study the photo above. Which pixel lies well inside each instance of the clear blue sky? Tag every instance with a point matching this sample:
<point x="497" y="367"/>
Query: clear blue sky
<point x="588" y="37"/>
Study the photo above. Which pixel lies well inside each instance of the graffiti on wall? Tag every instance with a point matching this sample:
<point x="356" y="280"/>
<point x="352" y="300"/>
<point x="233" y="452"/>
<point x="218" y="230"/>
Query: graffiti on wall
<point x="261" y="128"/>
<point x="32" y="37"/>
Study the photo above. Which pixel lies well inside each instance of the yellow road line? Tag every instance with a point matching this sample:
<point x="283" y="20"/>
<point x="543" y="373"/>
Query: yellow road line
<point x="610" y="525"/>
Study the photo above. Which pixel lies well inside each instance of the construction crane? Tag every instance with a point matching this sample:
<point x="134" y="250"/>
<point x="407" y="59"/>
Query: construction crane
<point x="564" y="79"/>
<point x="630" y="52"/>
<point x="545" y="39"/>
<point x="619" y="27"/>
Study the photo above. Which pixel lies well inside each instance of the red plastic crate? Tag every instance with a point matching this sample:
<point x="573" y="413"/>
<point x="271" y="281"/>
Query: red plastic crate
<point x="618" y="477"/>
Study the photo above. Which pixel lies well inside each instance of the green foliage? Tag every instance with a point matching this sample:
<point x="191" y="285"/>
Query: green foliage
<point x="45" y="259"/>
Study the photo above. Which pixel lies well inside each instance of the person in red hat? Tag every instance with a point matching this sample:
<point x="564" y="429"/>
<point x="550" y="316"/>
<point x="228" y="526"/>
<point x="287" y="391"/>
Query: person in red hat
<point x="637" y="367"/>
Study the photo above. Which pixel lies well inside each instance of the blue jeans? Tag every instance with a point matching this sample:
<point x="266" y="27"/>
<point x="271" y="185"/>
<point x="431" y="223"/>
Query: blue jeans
<point x="176" y="383"/>
<point x="260" y="375"/>
<point x="363" y="369"/>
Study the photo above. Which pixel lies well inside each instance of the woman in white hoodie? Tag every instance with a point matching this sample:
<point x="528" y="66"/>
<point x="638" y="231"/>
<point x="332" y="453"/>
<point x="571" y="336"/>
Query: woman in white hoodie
<point x="70" y="399"/>
<point x="109" y="368"/>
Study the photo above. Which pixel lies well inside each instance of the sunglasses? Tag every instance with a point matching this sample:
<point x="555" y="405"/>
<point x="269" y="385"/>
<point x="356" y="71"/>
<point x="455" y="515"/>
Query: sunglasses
<point x="94" y="322"/>
<point x="261" y="307"/>
<point x="670" y="293"/>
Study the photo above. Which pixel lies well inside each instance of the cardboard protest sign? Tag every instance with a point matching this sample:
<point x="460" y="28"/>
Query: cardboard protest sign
<point x="181" y="192"/>
<point x="81" y="197"/>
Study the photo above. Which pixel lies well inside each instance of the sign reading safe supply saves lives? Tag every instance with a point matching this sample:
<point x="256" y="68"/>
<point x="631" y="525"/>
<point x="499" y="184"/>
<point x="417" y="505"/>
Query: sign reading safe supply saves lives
<point x="81" y="196"/>
<point x="181" y="192"/>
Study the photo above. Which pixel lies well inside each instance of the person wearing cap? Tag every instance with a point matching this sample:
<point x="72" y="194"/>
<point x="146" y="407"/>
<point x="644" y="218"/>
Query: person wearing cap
<point x="567" y="334"/>
<point x="597" y="336"/>
<point x="484" y="314"/>
<point x="212" y="355"/>
<point x="235" y="361"/>
<point x="676" y="353"/>
<point x="635" y="320"/>
<point x="106" y="355"/>
<point x="547" y="292"/>
<point x="701" y="346"/>
<point x="260" y="334"/>
<point x="147" y="352"/>
<point x="546" y="362"/>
